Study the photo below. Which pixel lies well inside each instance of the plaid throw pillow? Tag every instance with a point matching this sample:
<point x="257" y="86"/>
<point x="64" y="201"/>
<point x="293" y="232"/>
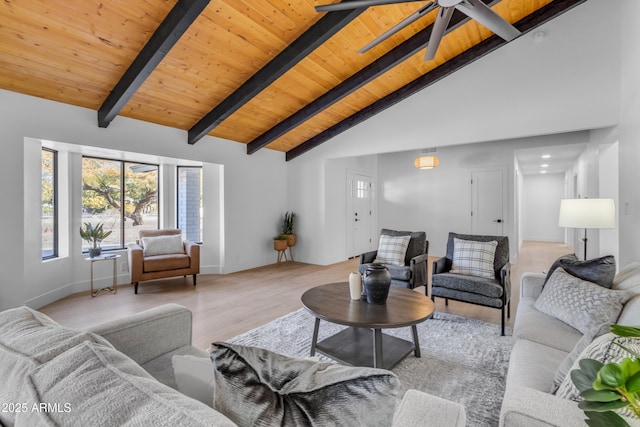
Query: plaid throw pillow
<point x="392" y="249"/>
<point x="473" y="258"/>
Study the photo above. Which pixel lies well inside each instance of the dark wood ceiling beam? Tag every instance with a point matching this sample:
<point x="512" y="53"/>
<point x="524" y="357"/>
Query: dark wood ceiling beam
<point x="378" y="67"/>
<point x="526" y="24"/>
<point x="315" y="36"/>
<point x="163" y="39"/>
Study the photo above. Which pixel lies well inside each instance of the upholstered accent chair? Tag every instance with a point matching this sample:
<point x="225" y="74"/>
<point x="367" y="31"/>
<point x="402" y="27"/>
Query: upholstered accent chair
<point x="460" y="284"/>
<point x="412" y="269"/>
<point x="162" y="253"/>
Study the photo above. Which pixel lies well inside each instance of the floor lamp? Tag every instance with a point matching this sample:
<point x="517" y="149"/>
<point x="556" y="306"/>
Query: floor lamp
<point x="587" y="213"/>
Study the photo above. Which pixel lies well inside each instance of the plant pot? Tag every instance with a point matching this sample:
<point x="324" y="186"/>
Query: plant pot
<point x="94" y="252"/>
<point x="280" y="245"/>
<point x="377" y="281"/>
<point x="291" y="239"/>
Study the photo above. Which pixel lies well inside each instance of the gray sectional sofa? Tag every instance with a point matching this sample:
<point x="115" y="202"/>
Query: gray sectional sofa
<point x="120" y="372"/>
<point x="542" y="343"/>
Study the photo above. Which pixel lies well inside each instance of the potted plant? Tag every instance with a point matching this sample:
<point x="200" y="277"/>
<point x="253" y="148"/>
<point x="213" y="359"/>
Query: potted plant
<point x="280" y="242"/>
<point x="94" y="235"/>
<point x="287" y="228"/>
<point x="611" y="386"/>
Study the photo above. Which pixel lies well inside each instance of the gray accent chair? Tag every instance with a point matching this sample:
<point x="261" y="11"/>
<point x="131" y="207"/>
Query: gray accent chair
<point x="414" y="271"/>
<point x="494" y="293"/>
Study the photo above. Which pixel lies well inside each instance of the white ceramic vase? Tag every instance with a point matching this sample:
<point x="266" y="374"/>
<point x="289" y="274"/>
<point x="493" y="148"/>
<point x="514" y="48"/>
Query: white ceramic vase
<point x="355" y="285"/>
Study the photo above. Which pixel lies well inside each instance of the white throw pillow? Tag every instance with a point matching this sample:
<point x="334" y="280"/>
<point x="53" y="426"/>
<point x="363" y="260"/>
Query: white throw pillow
<point x="195" y="377"/>
<point x="392" y="249"/>
<point x="473" y="258"/>
<point x="162" y="245"/>
<point x="579" y="303"/>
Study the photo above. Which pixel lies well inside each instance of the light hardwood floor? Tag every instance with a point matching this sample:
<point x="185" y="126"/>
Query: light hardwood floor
<point x="226" y="305"/>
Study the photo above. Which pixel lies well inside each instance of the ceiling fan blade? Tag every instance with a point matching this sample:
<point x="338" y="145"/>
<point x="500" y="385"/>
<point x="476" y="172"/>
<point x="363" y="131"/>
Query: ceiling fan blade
<point x="399" y="26"/>
<point x="482" y="13"/>
<point x="439" y="27"/>
<point x="354" y="4"/>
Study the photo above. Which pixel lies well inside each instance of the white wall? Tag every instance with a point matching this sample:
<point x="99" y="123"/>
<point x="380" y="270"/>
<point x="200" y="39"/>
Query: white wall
<point x="541" y="195"/>
<point x="253" y="194"/>
<point x="629" y="145"/>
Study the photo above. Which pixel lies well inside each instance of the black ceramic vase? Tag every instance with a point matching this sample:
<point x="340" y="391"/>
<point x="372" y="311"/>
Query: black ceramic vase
<point x="377" y="281"/>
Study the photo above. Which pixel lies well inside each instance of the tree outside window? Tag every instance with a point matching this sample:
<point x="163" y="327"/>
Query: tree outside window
<point x="121" y="195"/>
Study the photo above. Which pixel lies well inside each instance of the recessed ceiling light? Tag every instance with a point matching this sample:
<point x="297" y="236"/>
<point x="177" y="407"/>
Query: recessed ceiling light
<point x="544" y="166"/>
<point x="543" y="171"/>
<point x="546" y="156"/>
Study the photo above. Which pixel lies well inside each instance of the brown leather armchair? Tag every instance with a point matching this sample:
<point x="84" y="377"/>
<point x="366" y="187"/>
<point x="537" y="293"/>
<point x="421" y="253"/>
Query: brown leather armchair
<point x="185" y="261"/>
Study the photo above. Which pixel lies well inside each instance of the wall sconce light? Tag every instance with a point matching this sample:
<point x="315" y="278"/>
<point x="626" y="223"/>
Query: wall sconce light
<point x="427" y="161"/>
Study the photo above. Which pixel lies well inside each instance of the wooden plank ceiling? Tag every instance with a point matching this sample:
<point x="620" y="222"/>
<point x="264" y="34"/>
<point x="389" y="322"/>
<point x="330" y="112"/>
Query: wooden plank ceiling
<point x="77" y="52"/>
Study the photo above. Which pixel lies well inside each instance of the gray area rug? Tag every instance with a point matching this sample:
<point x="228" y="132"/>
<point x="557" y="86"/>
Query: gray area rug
<point x="463" y="360"/>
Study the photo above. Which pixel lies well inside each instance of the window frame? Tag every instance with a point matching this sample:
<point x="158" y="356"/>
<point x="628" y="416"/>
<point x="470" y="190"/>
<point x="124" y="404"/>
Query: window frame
<point x="56" y="252"/>
<point x="123" y="164"/>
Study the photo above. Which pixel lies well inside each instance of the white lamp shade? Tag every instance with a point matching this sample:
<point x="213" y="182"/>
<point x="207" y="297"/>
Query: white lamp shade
<point x="587" y="213"/>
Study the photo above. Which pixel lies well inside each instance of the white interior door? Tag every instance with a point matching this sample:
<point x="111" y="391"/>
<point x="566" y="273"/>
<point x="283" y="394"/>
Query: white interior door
<point x="487" y="202"/>
<point x="359" y="213"/>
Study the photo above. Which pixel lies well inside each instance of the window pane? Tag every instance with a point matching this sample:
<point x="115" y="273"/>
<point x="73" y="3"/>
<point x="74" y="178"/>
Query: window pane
<point x="48" y="204"/>
<point x="101" y="185"/>
<point x="140" y="199"/>
<point x="190" y="203"/>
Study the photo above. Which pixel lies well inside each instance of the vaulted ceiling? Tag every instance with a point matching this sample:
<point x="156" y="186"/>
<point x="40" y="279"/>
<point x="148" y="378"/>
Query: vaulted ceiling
<point x="265" y="73"/>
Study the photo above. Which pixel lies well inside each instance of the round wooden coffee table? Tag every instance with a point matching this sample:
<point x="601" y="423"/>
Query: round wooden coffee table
<point x="363" y="343"/>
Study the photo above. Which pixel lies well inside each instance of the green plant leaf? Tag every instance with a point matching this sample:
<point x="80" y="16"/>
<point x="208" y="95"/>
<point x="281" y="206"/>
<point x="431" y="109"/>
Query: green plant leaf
<point x="585" y="405"/>
<point x="633" y="383"/>
<point x="600" y="395"/>
<point x="605" y="419"/>
<point x="626" y="331"/>
<point x="584" y="377"/>
<point x="610" y="376"/>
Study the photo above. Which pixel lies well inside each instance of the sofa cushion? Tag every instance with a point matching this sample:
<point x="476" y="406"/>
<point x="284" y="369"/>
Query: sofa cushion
<point x="473" y="258"/>
<point x="280" y="390"/>
<point x="533" y="325"/>
<point x="628" y="278"/>
<point x="101" y="386"/>
<point x="580" y="303"/>
<point x="392" y="249"/>
<point x="472" y="284"/>
<point x="162" y="245"/>
<point x="195" y="377"/>
<point x="567" y="363"/>
<point x="600" y="271"/>
<point x="166" y="262"/>
<point x="27" y="339"/>
<point x="533" y="365"/>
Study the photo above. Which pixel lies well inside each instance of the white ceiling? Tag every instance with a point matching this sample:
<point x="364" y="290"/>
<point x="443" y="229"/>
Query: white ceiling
<point x="561" y="158"/>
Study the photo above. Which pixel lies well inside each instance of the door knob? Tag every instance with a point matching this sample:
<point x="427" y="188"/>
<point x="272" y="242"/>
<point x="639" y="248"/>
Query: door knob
<point x="497" y="220"/>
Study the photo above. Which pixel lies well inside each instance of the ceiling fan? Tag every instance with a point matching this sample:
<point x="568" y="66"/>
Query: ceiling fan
<point x="474" y="9"/>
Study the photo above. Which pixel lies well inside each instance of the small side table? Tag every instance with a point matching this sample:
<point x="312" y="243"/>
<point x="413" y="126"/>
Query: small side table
<point x="112" y="257"/>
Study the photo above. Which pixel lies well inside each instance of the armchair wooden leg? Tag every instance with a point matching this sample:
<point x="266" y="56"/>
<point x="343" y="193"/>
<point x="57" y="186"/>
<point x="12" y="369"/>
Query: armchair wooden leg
<point x="135" y="287"/>
<point x="509" y="310"/>
<point x="502" y="316"/>
<point x="194" y="280"/>
<point x="433" y="298"/>
<point x="446" y="302"/>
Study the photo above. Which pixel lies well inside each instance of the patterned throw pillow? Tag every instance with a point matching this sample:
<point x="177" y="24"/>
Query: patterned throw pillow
<point x="578" y="303"/>
<point x="256" y="387"/>
<point x="605" y="349"/>
<point x="473" y="258"/>
<point x="392" y="249"/>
